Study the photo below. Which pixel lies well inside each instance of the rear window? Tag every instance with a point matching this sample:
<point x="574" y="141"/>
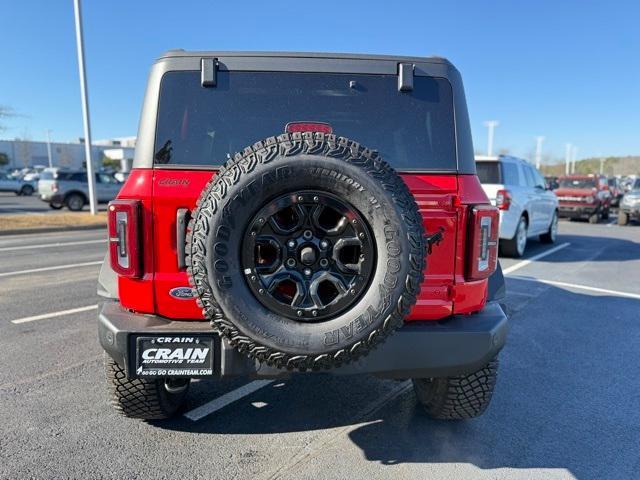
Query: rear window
<point x="204" y="126"/>
<point x="72" y="176"/>
<point x="577" y="183"/>
<point x="489" y="172"/>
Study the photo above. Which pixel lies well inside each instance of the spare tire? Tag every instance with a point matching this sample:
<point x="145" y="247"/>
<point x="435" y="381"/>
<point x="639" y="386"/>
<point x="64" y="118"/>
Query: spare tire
<point x="306" y="251"/>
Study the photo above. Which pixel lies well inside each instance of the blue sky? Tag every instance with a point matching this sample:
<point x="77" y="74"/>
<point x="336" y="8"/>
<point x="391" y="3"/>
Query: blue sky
<point x="568" y="70"/>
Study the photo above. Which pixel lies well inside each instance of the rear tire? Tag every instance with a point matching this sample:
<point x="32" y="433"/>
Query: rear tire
<point x="460" y="397"/>
<point x="142" y="398"/>
<point x="516" y="246"/>
<point x="55" y="206"/>
<point x="75" y="202"/>
<point x="552" y="233"/>
<point x="26" y="190"/>
<point x="623" y="218"/>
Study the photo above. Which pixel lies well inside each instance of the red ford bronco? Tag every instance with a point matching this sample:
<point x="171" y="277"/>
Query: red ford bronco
<point x="302" y="213"/>
<point x="583" y="196"/>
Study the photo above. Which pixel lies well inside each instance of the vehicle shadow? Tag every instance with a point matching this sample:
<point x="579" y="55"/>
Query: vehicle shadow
<point x="563" y="399"/>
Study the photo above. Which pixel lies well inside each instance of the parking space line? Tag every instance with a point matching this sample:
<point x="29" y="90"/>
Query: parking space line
<point x="61" y="313"/>
<point x="617" y="293"/>
<point x="48" y="269"/>
<point x="526" y="262"/>
<point x="48" y="245"/>
<point x="226" y="399"/>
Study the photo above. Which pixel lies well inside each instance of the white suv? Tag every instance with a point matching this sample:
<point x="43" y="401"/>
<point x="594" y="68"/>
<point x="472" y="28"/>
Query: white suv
<point x="527" y="207"/>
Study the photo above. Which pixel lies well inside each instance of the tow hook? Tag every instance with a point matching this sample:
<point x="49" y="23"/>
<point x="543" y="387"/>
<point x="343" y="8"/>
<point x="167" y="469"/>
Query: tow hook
<point x="434" y="239"/>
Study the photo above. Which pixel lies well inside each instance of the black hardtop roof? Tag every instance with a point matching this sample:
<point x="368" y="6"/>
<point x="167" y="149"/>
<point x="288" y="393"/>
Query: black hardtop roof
<point x="301" y="62"/>
<point x="329" y="56"/>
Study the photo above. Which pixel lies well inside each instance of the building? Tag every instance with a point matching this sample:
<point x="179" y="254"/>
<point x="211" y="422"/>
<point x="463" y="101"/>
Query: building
<point x="28" y="153"/>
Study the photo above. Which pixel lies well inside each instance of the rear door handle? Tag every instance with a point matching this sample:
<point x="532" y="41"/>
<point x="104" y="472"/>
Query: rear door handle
<point x="182" y="220"/>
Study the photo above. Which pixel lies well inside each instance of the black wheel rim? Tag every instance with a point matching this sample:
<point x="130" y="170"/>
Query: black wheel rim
<point x="308" y="255"/>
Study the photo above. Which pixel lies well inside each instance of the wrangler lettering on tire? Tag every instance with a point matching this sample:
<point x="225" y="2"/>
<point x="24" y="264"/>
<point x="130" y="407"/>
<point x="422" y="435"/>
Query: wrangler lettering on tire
<point x="306" y="251"/>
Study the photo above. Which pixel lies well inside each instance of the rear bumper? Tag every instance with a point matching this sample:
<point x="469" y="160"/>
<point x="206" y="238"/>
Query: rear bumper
<point x="50" y="197"/>
<point x="509" y="222"/>
<point x="453" y="346"/>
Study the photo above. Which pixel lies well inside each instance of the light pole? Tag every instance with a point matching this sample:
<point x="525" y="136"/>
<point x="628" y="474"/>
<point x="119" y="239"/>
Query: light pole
<point x="574" y="153"/>
<point x="567" y="158"/>
<point x="539" y="141"/>
<point x="85" y="107"/>
<point x="602" y="160"/>
<point x="490" y="124"/>
<point x="49" y="148"/>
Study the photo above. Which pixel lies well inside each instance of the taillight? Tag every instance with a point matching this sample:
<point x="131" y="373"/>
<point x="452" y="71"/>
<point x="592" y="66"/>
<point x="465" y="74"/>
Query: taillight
<point x="54" y="187"/>
<point x="124" y="237"/>
<point x="482" y="243"/>
<point x="503" y="199"/>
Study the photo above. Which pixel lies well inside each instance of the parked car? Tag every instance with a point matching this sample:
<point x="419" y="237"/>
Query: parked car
<point x="616" y="189"/>
<point x="307" y="249"/>
<point x="630" y="204"/>
<point x="71" y="189"/>
<point x="584" y="196"/>
<point x="628" y="182"/>
<point x="32" y="174"/>
<point x="19" y="186"/>
<point x="527" y="207"/>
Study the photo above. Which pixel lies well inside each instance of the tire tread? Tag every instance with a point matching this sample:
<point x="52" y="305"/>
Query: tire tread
<point x="137" y="398"/>
<point x="460" y="397"/>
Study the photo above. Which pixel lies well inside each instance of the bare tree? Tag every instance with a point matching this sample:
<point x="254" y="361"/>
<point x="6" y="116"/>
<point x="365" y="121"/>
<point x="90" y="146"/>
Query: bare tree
<point x="5" y="112"/>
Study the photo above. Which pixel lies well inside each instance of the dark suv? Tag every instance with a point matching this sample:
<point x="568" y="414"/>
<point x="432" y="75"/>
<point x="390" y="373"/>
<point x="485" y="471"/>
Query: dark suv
<point x="302" y="213"/>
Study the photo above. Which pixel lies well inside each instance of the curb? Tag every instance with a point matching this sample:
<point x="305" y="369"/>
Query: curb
<point x="20" y="231"/>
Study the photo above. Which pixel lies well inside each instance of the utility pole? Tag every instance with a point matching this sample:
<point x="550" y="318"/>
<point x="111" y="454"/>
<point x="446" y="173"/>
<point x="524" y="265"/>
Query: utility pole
<point x="574" y="153"/>
<point x="490" y="124"/>
<point x="49" y="148"/>
<point x="567" y="158"/>
<point x="539" y="141"/>
<point x="602" y="160"/>
<point x="85" y="107"/>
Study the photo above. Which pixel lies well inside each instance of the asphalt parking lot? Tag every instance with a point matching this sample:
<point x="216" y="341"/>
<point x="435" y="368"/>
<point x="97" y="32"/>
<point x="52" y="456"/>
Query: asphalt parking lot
<point x="10" y="203"/>
<point x="565" y="404"/>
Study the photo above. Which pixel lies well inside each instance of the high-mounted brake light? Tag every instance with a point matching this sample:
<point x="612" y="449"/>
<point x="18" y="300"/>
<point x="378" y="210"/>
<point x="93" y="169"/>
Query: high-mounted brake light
<point x="482" y="242"/>
<point x="124" y="237"/>
<point x="503" y="199"/>
<point x="321" y="127"/>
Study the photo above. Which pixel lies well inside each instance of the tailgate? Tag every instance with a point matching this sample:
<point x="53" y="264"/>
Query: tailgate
<point x="175" y="190"/>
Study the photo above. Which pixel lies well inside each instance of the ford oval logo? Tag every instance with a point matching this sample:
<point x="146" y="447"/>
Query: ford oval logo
<point x="183" y="293"/>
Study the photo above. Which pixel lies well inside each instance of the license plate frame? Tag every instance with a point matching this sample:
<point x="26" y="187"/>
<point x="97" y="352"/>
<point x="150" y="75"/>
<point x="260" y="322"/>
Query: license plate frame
<point x="162" y="356"/>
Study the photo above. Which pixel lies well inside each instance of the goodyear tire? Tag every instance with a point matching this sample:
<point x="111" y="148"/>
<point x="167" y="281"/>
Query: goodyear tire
<point x="457" y="398"/>
<point x="373" y="204"/>
<point x="148" y="399"/>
